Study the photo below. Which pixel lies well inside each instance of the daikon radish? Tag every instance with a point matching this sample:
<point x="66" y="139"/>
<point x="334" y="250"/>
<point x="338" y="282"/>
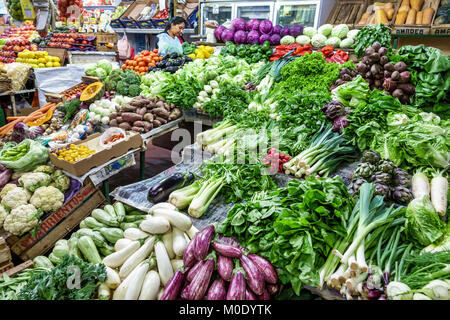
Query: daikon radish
<point x="439" y="189"/>
<point x="420" y="185"/>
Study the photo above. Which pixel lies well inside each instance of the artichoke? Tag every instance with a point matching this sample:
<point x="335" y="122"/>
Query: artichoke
<point x="402" y="181"/>
<point x="356" y="185"/>
<point x="402" y="195"/>
<point x="364" y="170"/>
<point x="371" y="156"/>
<point x="333" y="110"/>
<point x="381" y="177"/>
<point x="387" y="166"/>
<point x="382" y="190"/>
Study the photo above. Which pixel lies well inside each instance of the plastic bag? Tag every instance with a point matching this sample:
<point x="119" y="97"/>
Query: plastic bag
<point x="36" y="155"/>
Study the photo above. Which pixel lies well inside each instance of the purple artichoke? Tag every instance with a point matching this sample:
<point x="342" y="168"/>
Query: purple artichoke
<point x="371" y="156"/>
<point x="402" y="195"/>
<point x="381" y="177"/>
<point x="364" y="170"/>
<point x="382" y="190"/>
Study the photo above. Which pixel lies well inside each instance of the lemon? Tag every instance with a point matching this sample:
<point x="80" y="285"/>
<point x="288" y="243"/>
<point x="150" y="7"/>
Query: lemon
<point x="49" y="64"/>
<point x="41" y="65"/>
<point x="41" y="60"/>
<point x="45" y="53"/>
<point x="56" y="64"/>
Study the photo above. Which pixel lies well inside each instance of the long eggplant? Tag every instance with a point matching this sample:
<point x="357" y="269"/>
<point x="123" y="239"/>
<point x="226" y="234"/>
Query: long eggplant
<point x="161" y="190"/>
<point x="236" y="290"/>
<point x="272" y="289"/>
<point x="249" y="294"/>
<point x="190" y="275"/>
<point x="203" y="242"/>
<point x="265" y="267"/>
<point x="255" y="279"/>
<point x="264" y="296"/>
<point x="173" y="286"/>
<point x="189" y="257"/>
<point x="225" y="267"/>
<point x="226" y="250"/>
<point x="218" y="290"/>
<point x="200" y="283"/>
<point x="185" y="293"/>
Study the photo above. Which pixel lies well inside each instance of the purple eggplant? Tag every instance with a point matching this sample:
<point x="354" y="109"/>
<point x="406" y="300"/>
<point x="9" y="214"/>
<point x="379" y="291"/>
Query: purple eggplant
<point x="224" y="267"/>
<point x="230" y="240"/>
<point x="236" y="290"/>
<point x="184" y="293"/>
<point x="374" y="294"/>
<point x="200" y="283"/>
<point x="249" y="294"/>
<point x="189" y="257"/>
<point x="162" y="189"/>
<point x="265" y="267"/>
<point x="190" y="275"/>
<point x="226" y="250"/>
<point x="255" y="278"/>
<point x="264" y="296"/>
<point x="218" y="290"/>
<point x="203" y="242"/>
<point x="173" y="286"/>
<point x="272" y="289"/>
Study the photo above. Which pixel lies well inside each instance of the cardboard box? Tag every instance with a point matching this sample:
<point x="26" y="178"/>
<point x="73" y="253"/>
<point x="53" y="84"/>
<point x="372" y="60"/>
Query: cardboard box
<point x="346" y="12"/>
<point x="57" y="224"/>
<point x="61" y="53"/>
<point x="369" y="4"/>
<point x="101" y="157"/>
<point x="416" y="29"/>
<point x="130" y="16"/>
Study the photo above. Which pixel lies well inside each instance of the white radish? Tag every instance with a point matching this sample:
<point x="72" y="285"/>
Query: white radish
<point x="112" y="278"/>
<point x="192" y="232"/>
<point x="151" y="285"/>
<point x="116" y="259"/>
<point x="136" y="258"/>
<point x="176" y="264"/>
<point x="136" y="282"/>
<point x="155" y="225"/>
<point x="176" y="218"/>
<point x="122" y="243"/>
<point x="119" y="293"/>
<point x="179" y="242"/>
<point x="165" y="269"/>
<point x="420" y="185"/>
<point x="104" y="292"/>
<point x="162" y="205"/>
<point x="135" y="234"/>
<point x="167" y="239"/>
<point x="439" y="189"/>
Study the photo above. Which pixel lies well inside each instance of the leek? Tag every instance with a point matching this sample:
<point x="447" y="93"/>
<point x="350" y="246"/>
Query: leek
<point x="181" y="198"/>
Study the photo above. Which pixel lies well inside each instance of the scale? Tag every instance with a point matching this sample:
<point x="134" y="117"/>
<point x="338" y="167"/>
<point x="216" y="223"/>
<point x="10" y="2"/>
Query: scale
<point x="27" y="9"/>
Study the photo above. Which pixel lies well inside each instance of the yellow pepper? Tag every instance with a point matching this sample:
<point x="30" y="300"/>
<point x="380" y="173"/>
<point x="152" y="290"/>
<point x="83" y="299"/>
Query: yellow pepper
<point x="210" y="49"/>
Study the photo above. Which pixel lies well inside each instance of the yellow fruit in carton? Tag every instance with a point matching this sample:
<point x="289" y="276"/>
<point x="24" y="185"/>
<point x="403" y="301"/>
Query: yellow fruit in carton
<point x="49" y="64"/>
<point x="41" y="65"/>
<point x="41" y="60"/>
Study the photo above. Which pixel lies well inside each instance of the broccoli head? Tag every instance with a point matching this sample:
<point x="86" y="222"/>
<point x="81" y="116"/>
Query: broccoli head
<point x="134" y="90"/>
<point x="122" y="88"/>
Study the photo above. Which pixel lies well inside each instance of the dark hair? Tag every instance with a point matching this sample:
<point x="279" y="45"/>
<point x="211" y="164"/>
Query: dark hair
<point x="175" y="21"/>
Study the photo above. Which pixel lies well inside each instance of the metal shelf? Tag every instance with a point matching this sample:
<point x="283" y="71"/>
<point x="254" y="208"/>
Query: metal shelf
<point x="147" y="31"/>
<point x="9" y="93"/>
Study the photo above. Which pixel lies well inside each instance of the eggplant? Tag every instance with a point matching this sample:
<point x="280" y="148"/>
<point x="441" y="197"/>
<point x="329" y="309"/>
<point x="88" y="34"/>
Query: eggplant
<point x="224" y="267"/>
<point x="190" y="275"/>
<point x="184" y="293"/>
<point x="266" y="268"/>
<point x="264" y="296"/>
<point x="200" y="283"/>
<point x="255" y="279"/>
<point x="229" y="240"/>
<point x="189" y="257"/>
<point x="218" y="290"/>
<point x="236" y="290"/>
<point x="249" y="295"/>
<point x="226" y="250"/>
<point x="272" y="289"/>
<point x="173" y="286"/>
<point x="203" y="242"/>
<point x="162" y="189"/>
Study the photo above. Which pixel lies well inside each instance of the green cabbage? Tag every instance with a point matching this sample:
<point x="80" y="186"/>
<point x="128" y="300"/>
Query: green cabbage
<point x="340" y="31"/>
<point x="100" y="73"/>
<point x="105" y="65"/>
<point x="325" y="29"/>
<point x="91" y="71"/>
<point x="333" y="41"/>
<point x="346" y="43"/>
<point x="352" y="33"/>
<point x="309" y="31"/>
<point x="303" y="40"/>
<point x="319" y="40"/>
<point x="286" y="40"/>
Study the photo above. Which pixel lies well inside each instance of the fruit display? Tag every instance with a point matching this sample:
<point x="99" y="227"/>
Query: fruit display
<point x="92" y="92"/>
<point x="72" y="93"/>
<point x="163" y="14"/>
<point x="38" y="59"/>
<point x="119" y="10"/>
<point x="12" y="48"/>
<point x="74" y="153"/>
<point x="143" y="62"/>
<point x="15" y="9"/>
<point x="27" y="31"/>
<point x="69" y="40"/>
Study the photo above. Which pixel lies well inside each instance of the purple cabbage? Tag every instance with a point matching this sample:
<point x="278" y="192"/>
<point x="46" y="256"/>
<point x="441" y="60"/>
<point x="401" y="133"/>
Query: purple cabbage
<point x="227" y="35"/>
<point x="253" y="24"/>
<point x="275" y="39"/>
<point x="296" y="31"/>
<point x="218" y="32"/>
<point x="240" y="37"/>
<point x="238" y="24"/>
<point x="22" y="131"/>
<point x="263" y="38"/>
<point x="266" y="27"/>
<point x="284" y="32"/>
<point x="277" y="29"/>
<point x="74" y="187"/>
<point x="253" y="37"/>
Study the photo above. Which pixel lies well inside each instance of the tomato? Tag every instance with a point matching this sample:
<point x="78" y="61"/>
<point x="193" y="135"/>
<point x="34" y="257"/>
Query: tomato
<point x="145" y="53"/>
<point x="142" y="63"/>
<point x="124" y="67"/>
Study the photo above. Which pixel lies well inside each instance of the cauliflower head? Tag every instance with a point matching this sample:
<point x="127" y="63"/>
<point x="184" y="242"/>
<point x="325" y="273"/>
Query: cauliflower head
<point x="49" y="199"/>
<point x="33" y="180"/>
<point x="56" y="174"/>
<point x="22" y="219"/>
<point x="15" y="198"/>
<point x="3" y="214"/>
<point x="45" y="169"/>
<point x="7" y="188"/>
<point x="62" y="183"/>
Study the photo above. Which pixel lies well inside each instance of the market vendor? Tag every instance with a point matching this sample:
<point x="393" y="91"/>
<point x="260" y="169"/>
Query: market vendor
<point x="171" y="39"/>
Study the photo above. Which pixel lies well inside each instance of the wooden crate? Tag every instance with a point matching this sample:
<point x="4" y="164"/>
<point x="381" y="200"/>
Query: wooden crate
<point x="58" y="224"/>
<point x="418" y="29"/>
<point x="59" y="97"/>
<point x="106" y="38"/>
<point x="12" y="271"/>
<point x="442" y="29"/>
<point x="5" y="253"/>
<point x="194" y="5"/>
<point x="369" y="5"/>
<point x="346" y="12"/>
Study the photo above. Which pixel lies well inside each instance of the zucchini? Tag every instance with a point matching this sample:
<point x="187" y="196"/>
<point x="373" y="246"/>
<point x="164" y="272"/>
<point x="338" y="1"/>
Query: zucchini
<point x="96" y="236"/>
<point x="93" y="224"/>
<point x="54" y="259"/>
<point x="137" y="218"/>
<point x="61" y="248"/>
<point x="42" y="262"/>
<point x="73" y="247"/>
<point x="120" y="211"/>
<point x="128" y="208"/>
<point x="135" y="213"/>
<point x="89" y="250"/>
<point x="106" y="251"/>
<point x="127" y="225"/>
<point x="112" y="234"/>
<point x="109" y="209"/>
<point x="103" y="217"/>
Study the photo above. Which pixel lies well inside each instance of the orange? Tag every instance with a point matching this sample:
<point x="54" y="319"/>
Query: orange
<point x="141" y="64"/>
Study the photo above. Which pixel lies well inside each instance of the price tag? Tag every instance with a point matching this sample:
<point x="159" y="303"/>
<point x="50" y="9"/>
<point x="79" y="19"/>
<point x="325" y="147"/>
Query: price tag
<point x="215" y="9"/>
<point x="27" y="9"/>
